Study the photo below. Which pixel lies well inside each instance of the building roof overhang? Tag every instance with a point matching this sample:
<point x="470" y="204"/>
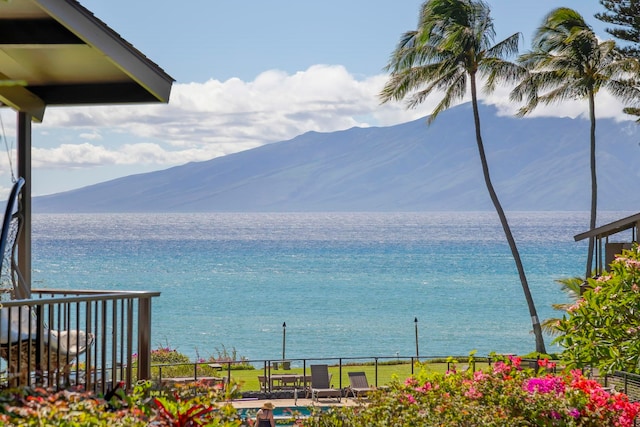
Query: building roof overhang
<point x="611" y="228"/>
<point x="56" y="52"/>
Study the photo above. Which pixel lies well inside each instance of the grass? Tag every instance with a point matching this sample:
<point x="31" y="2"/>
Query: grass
<point x="386" y="373"/>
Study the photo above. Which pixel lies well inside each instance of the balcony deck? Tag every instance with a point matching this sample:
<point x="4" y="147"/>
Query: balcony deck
<point x="118" y="322"/>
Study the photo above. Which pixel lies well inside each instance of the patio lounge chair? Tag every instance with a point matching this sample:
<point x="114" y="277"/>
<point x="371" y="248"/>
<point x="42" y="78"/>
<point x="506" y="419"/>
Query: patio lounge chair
<point x="18" y="325"/>
<point x="320" y="384"/>
<point x="359" y="386"/>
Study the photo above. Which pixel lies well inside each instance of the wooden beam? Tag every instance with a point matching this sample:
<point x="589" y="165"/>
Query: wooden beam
<point x="98" y="93"/>
<point x="24" y="32"/>
<point x="21" y="99"/>
<point x="611" y="228"/>
<point x="24" y="170"/>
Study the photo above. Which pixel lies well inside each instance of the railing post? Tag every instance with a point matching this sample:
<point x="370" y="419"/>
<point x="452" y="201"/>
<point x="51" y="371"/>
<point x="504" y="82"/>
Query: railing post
<point x="268" y="377"/>
<point x="129" y="364"/>
<point x="144" y="338"/>
<point x="89" y="360"/>
<point x="23" y="131"/>
<point x="304" y="377"/>
<point x="376" y="365"/>
<point x="39" y="344"/>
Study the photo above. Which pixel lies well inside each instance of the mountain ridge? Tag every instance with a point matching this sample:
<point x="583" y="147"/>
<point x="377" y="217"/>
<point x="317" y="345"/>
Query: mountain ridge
<point x="535" y="164"/>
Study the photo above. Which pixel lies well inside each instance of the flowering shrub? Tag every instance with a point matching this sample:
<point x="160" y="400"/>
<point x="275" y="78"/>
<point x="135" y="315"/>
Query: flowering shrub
<point x="37" y="407"/>
<point x="504" y="396"/>
<point x="601" y="328"/>
<point x="195" y="405"/>
<point x="188" y="405"/>
<point x="230" y="358"/>
<point x="168" y="355"/>
<point x="182" y="365"/>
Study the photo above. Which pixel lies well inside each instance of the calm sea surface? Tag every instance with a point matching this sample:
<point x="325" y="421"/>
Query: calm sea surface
<point x="346" y="284"/>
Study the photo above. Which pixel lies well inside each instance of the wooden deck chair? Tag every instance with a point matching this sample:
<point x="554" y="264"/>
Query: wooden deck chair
<point x="358" y="384"/>
<point x="320" y="383"/>
<point x="19" y="329"/>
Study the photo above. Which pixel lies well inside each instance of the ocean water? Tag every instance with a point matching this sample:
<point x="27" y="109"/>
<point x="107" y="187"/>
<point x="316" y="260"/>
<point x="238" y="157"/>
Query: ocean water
<point x="346" y="284"/>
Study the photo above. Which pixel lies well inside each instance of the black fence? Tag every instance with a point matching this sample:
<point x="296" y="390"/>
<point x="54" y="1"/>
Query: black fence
<point x="279" y="378"/>
<point x="624" y="382"/>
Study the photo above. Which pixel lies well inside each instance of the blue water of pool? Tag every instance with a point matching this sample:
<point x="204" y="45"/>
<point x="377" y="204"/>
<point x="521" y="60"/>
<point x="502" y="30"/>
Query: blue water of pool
<point x="284" y="416"/>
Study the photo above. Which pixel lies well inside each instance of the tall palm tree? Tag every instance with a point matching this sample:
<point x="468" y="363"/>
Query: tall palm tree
<point x="571" y="286"/>
<point x="450" y="49"/>
<point x="567" y="61"/>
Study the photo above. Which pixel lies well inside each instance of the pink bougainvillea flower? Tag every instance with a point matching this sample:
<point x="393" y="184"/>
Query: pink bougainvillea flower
<point x="425" y="387"/>
<point x="411" y="382"/>
<point x="515" y="361"/>
<point x="472" y="393"/>
<point x="501" y="367"/>
<point x="546" y="363"/>
<point x="574" y="413"/>
<point x="479" y="376"/>
<point x="410" y="398"/>
<point x="550" y="384"/>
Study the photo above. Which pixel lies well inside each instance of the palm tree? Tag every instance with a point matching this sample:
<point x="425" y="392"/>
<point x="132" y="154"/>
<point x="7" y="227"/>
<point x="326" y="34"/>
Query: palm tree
<point x="571" y="286"/>
<point x="567" y="61"/>
<point x="452" y="48"/>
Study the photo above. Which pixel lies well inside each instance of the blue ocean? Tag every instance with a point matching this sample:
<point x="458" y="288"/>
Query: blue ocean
<point x="345" y="284"/>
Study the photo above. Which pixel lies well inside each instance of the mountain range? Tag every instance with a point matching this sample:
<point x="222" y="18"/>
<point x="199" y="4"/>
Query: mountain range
<point x="536" y="164"/>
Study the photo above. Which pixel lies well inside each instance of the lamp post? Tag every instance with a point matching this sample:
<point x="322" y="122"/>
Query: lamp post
<point x="415" y="322"/>
<point x="284" y="336"/>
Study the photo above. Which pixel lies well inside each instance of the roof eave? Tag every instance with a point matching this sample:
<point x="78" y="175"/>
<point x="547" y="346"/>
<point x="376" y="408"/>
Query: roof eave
<point x="611" y="228"/>
<point x="21" y="99"/>
<point x="94" y="32"/>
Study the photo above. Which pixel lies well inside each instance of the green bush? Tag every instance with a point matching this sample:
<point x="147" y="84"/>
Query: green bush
<point x="229" y="359"/>
<point x="504" y="396"/>
<point x="180" y="364"/>
<point x="187" y="405"/>
<point x="171" y="363"/>
<point x="601" y="329"/>
<point x="165" y="355"/>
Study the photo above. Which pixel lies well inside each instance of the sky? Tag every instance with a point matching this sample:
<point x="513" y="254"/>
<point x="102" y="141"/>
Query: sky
<point x="248" y="73"/>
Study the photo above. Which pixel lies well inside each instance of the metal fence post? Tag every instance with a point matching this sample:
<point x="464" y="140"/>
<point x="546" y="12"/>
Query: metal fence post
<point x="144" y="338"/>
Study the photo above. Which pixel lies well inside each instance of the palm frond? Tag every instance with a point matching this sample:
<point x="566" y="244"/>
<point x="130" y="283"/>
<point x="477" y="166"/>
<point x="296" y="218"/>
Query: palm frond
<point x="572" y="287"/>
<point x="452" y="42"/>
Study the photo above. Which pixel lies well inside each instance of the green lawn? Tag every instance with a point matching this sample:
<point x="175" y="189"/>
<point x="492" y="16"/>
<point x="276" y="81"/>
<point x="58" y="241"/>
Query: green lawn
<point x="385" y="373"/>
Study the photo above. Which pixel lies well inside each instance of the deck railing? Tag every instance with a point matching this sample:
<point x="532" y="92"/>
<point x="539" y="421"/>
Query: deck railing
<point x="624" y="382"/>
<point x="39" y="337"/>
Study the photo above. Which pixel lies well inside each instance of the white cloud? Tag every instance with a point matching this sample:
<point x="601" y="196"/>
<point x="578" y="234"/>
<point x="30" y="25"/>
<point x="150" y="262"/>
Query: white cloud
<point x="607" y="106"/>
<point x="215" y="118"/>
<point x="72" y="156"/>
<point x="92" y="136"/>
<point x="5" y="169"/>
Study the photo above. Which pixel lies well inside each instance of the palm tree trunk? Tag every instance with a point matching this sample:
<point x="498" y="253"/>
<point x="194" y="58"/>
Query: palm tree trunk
<point x="594" y="183"/>
<point x="537" y="329"/>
